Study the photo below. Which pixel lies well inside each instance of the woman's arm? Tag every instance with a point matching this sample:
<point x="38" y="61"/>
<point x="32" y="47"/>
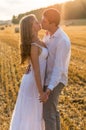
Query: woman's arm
<point x="36" y="67"/>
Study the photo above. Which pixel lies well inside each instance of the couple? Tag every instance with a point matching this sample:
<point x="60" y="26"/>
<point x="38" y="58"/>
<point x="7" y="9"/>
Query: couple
<point x="46" y="76"/>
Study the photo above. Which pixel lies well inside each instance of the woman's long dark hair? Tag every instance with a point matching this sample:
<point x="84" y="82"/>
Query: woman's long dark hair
<point x="26" y="36"/>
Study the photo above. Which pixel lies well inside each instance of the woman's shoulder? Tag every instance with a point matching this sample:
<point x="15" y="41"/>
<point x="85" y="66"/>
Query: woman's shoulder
<point x="36" y="44"/>
<point x="39" y="43"/>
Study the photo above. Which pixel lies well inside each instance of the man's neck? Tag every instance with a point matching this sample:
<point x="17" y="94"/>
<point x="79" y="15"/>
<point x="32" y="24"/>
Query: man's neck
<point x="53" y="30"/>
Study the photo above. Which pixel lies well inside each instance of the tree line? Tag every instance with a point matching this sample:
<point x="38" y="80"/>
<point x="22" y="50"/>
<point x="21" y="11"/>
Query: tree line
<point x="70" y="10"/>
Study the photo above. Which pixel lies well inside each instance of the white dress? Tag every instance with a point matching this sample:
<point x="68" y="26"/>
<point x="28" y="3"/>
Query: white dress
<point x="28" y="114"/>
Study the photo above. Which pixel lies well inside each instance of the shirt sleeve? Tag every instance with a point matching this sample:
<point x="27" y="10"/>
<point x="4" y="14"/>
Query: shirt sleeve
<point x="60" y="65"/>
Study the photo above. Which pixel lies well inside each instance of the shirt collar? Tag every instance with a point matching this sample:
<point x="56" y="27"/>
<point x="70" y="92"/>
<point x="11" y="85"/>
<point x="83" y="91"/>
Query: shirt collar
<point x="56" y="33"/>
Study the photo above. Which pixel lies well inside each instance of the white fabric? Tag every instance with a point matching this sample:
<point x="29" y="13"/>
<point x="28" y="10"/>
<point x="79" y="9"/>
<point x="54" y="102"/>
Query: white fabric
<point x="27" y="114"/>
<point x="59" y="48"/>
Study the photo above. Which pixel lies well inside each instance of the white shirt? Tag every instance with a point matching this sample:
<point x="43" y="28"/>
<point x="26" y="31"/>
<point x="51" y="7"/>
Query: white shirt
<point x="59" y="48"/>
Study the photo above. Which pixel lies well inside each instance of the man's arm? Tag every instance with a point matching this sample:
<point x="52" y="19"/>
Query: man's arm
<point x="60" y="64"/>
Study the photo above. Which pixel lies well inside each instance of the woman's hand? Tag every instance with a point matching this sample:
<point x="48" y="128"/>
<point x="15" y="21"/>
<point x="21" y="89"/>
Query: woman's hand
<point x="43" y="97"/>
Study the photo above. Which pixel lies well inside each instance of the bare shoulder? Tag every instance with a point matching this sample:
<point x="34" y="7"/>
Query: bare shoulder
<point x="34" y="49"/>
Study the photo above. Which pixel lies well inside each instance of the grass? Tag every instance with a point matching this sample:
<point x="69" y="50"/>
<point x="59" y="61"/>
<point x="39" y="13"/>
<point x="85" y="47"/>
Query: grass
<point x="72" y="101"/>
<point x="74" y="22"/>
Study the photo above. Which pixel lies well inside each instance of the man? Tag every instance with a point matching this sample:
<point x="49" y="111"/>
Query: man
<point x="56" y="77"/>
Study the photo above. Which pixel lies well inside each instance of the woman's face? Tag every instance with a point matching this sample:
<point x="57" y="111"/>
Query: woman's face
<point x="36" y="25"/>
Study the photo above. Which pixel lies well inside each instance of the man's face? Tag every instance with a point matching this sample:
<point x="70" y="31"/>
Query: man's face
<point x="44" y="23"/>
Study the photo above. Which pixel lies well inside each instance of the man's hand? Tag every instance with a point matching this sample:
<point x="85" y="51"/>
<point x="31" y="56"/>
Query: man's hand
<point x="48" y="91"/>
<point x="28" y="69"/>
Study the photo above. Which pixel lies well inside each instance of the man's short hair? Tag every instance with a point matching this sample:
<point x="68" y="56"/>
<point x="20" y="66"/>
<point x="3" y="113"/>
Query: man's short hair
<point x="52" y="15"/>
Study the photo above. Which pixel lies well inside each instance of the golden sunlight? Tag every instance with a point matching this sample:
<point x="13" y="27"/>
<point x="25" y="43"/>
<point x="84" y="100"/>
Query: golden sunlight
<point x="59" y="1"/>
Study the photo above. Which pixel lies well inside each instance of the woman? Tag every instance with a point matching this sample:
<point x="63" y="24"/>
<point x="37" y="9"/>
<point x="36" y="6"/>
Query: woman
<point x="27" y="114"/>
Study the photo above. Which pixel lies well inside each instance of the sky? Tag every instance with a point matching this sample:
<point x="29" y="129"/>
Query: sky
<point x="8" y="8"/>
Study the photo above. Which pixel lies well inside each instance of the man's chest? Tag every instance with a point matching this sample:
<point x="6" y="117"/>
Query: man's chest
<point x="52" y="45"/>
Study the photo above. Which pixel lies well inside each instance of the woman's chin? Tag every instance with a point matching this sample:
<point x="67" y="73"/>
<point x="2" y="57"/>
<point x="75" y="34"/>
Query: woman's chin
<point x="39" y="29"/>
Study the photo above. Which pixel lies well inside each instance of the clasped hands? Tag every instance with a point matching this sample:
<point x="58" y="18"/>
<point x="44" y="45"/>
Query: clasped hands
<point x="44" y="95"/>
